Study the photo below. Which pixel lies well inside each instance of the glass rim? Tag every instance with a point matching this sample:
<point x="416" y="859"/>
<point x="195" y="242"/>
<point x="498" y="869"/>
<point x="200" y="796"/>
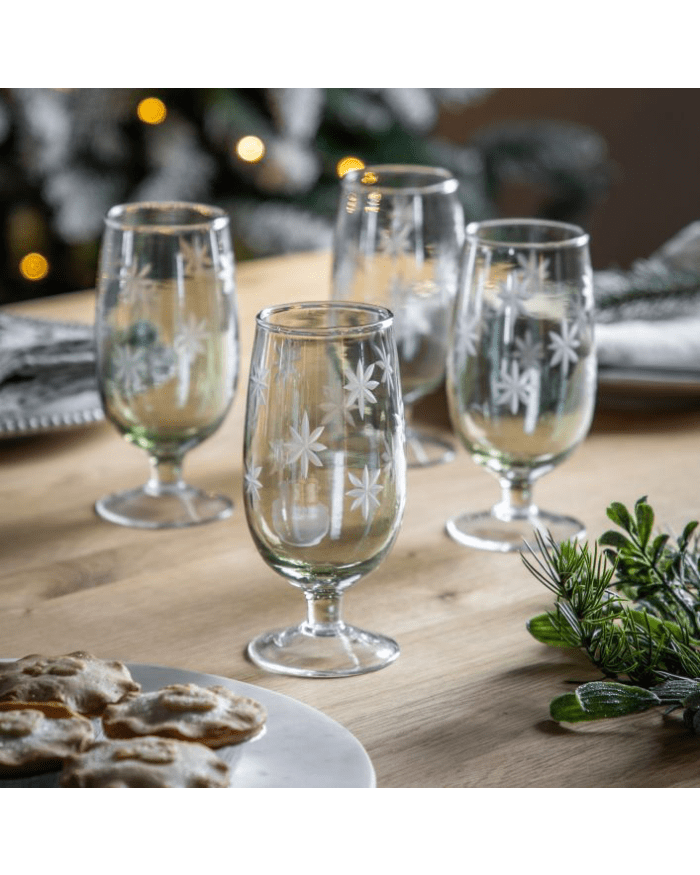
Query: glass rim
<point x="444" y="183"/>
<point x="382" y="318"/>
<point x="474" y="234"/>
<point x="205" y="216"/>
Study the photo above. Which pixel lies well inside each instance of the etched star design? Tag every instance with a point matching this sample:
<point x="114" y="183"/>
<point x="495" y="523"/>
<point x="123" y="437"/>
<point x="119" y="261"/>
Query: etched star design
<point x="394" y="240"/>
<point x="411" y="323"/>
<point x="365" y="491"/>
<point x="252" y="484"/>
<point x="383" y="362"/>
<point x="196" y="257"/>
<point x="563" y="346"/>
<point x="135" y="285"/>
<point x="533" y="270"/>
<point x="130" y="369"/>
<point x="335" y="407"/>
<point x="359" y="387"/>
<point x="513" y="388"/>
<point x="258" y="384"/>
<point x="528" y="351"/>
<point x="190" y="340"/>
<point x="512" y="295"/>
<point x="466" y="336"/>
<point x="304" y="446"/>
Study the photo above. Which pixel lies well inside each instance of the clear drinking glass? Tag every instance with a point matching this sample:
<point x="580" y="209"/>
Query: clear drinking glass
<point x="167" y="350"/>
<point x="398" y="235"/>
<point x="521" y="374"/>
<point x="324" y="473"/>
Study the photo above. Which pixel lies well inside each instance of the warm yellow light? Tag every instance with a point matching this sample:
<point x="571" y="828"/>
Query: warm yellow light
<point x="349" y="163"/>
<point x="151" y="110"/>
<point x="250" y="149"/>
<point x="34" y="266"/>
<point x="369" y="178"/>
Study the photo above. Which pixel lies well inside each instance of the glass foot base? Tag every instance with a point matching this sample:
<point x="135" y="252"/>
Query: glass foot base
<point x="297" y="651"/>
<point x="486" y="531"/>
<point x="424" y="448"/>
<point x="172" y="509"/>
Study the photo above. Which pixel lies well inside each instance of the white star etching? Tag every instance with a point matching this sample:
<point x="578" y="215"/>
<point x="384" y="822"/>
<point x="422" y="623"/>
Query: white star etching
<point x="135" y="285"/>
<point x="365" y="491"/>
<point x="252" y="484"/>
<point x="196" y="257"/>
<point x="258" y="384"/>
<point x="130" y="369"/>
<point x="335" y="407"/>
<point x="466" y="336"/>
<point x="383" y="362"/>
<point x="189" y="342"/>
<point x="513" y="294"/>
<point x="528" y="351"/>
<point x="533" y="271"/>
<point x="394" y="240"/>
<point x="304" y="445"/>
<point x="411" y="323"/>
<point x="513" y="388"/>
<point x="563" y="346"/>
<point x="359" y="387"/>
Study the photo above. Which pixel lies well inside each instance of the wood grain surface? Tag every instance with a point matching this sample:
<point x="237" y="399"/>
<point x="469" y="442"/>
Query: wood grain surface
<point x="466" y="703"/>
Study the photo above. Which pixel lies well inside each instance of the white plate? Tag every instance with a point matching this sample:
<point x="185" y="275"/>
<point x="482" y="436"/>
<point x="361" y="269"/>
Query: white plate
<point x="299" y="747"/>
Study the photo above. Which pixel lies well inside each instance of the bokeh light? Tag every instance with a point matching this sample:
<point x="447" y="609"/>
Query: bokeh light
<point x="347" y="164"/>
<point x="250" y="149"/>
<point x="151" y="110"/>
<point x="34" y="266"/>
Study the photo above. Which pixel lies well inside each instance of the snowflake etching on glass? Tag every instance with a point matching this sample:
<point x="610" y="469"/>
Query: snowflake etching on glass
<point x="135" y="285"/>
<point x="412" y="321"/>
<point x="359" y="386"/>
<point x="252" y="484"/>
<point x="305" y="445"/>
<point x="533" y="271"/>
<point x="190" y="340"/>
<point x="394" y="240"/>
<point x="130" y="370"/>
<point x="383" y="362"/>
<point x="564" y="345"/>
<point x="195" y="257"/>
<point x="258" y="385"/>
<point x="512" y="295"/>
<point x="365" y="491"/>
<point x="528" y="351"/>
<point x="513" y="388"/>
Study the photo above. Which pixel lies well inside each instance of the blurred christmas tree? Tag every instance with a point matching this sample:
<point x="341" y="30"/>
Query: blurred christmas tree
<point x="271" y="157"/>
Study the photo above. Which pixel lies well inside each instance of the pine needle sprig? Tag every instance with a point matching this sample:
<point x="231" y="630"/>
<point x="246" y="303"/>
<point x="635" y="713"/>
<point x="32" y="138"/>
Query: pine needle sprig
<point x="633" y="610"/>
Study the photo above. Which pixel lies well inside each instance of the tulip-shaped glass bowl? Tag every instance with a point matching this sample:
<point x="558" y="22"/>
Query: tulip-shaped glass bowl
<point x="521" y="376"/>
<point x="397" y="241"/>
<point x="324" y="473"/>
<point x="167" y="350"/>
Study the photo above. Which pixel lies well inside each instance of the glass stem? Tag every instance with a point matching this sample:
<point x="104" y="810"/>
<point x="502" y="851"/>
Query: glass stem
<point x="166" y="475"/>
<point x="324" y="614"/>
<point x="516" y="500"/>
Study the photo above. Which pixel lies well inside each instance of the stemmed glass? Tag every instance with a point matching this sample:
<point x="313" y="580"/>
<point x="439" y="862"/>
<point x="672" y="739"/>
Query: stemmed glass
<point x="324" y="473"/>
<point x="398" y="235"/>
<point x="521" y="374"/>
<point x="167" y="350"/>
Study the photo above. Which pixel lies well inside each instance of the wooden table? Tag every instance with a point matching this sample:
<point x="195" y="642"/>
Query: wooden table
<point x="465" y="705"/>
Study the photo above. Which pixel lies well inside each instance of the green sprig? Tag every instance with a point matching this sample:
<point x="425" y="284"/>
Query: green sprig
<point x="633" y="610"/>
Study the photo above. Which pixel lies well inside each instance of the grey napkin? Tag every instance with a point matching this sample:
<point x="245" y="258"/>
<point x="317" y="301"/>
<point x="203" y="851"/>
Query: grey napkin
<point x="47" y="374"/>
<point x="649" y="317"/>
